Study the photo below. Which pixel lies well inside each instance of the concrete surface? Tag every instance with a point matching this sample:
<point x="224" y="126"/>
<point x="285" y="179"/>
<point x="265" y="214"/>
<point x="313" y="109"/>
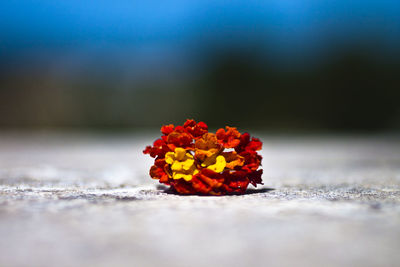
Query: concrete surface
<point x="86" y="200"/>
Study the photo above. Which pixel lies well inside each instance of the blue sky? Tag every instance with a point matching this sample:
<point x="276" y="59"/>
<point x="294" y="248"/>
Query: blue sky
<point x="290" y="27"/>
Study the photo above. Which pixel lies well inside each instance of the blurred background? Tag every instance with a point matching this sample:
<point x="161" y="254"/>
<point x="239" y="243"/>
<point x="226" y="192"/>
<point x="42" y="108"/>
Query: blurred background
<point x="302" y="65"/>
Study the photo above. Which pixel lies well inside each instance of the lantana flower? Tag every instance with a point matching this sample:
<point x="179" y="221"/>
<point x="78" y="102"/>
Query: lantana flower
<point x="194" y="161"/>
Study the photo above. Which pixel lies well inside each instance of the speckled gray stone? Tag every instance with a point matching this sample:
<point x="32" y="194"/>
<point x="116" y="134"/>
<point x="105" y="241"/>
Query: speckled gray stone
<point x="86" y="200"/>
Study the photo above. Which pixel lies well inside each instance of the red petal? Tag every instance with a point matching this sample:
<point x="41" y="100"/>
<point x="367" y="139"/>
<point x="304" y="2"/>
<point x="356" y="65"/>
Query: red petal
<point x="167" y="129"/>
<point x="255" y="177"/>
<point x="236" y="182"/>
<point x="189" y="123"/>
<point x="229" y="138"/>
<point x="183" y="187"/>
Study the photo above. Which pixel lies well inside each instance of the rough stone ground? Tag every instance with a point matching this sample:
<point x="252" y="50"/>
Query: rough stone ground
<point x="81" y="199"/>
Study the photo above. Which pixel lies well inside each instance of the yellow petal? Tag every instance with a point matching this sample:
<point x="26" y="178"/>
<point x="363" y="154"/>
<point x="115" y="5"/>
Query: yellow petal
<point x="187" y="164"/>
<point x="182" y="164"/>
<point x="169" y="157"/>
<point x="179" y="175"/>
<point x="219" y="164"/>
<point x="176" y="166"/>
<point x="180" y="153"/>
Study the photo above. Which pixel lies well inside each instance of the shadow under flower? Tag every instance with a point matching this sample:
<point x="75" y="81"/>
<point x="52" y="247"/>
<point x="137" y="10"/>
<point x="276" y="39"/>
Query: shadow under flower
<point x="258" y="190"/>
<point x="169" y="190"/>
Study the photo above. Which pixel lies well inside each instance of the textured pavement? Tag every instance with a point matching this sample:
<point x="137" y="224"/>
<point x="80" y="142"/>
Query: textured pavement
<point x="86" y="200"/>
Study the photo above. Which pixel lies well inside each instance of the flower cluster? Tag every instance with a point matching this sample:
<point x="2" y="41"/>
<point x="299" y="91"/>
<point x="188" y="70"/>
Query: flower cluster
<point x="194" y="161"/>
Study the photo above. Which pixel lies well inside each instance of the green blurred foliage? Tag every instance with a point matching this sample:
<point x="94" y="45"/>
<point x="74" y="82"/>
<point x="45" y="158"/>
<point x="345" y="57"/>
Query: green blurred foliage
<point x="351" y="89"/>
